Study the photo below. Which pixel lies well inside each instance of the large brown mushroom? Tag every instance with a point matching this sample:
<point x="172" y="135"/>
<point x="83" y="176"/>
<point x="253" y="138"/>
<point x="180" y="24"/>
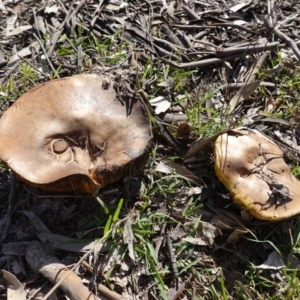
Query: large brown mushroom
<point x="74" y="134"/>
<point x="252" y="168"/>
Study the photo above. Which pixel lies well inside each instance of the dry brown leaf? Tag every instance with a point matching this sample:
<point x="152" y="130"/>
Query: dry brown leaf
<point x="15" y="289"/>
<point x="195" y="241"/>
<point x="128" y="238"/>
<point x="18" y="30"/>
<point x="41" y="24"/>
<point x="243" y="94"/>
<point x="22" y="53"/>
<point x="205" y="232"/>
<point x="234" y="236"/>
<point x="183" y="171"/>
<point x="239" y="6"/>
<point x="202" y="145"/>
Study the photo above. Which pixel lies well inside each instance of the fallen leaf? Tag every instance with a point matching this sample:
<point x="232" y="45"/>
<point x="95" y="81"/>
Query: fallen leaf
<point x="18" y="30"/>
<point x="161" y="103"/>
<point x="163" y="168"/>
<point x="239" y="22"/>
<point x="274" y="262"/>
<point x="37" y="223"/>
<point x="293" y="261"/>
<point x="202" y="145"/>
<point x="235" y="235"/>
<point x="231" y="276"/>
<point x="128" y="238"/>
<point x="195" y="241"/>
<point x="15" y="289"/>
<point x="52" y="9"/>
<point x="10" y="23"/>
<point x="239" y="6"/>
<point x="177" y="233"/>
<point x="2" y="7"/>
<point x="194" y="191"/>
<point x="17" y="248"/>
<point x="243" y="94"/>
<point x="204" y="231"/>
<point x="183" y="171"/>
<point x="41" y="24"/>
<point x="22" y="53"/>
<point x="110" y="259"/>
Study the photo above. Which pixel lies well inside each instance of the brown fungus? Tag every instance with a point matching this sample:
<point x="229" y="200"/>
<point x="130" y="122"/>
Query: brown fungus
<point x="252" y="168"/>
<point x="74" y="134"/>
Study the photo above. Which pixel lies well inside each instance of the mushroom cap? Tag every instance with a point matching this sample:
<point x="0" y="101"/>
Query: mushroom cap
<point x="252" y="168"/>
<point x="74" y="134"/>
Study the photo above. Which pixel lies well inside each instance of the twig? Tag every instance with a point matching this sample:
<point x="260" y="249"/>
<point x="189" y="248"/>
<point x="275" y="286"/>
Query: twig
<point x="170" y="118"/>
<point x="11" y="200"/>
<point x="46" y="55"/>
<point x="34" y="67"/>
<point x="168" y="136"/>
<point x="32" y="296"/>
<point x="38" y="38"/>
<point x="102" y="289"/>
<point x="200" y="64"/>
<point x="283" y="36"/>
<point x="201" y="27"/>
<point x="96" y="13"/>
<point x="75" y="266"/>
<point x="255" y="68"/>
<point x="56" y="272"/>
<point x="247" y="49"/>
<point x="160" y="239"/>
<point x="270" y="11"/>
<point x="210" y="61"/>
<point x="190" y="13"/>
<point x="170" y="35"/>
<point x="35" y="23"/>
<point x="11" y="70"/>
<point x="61" y="27"/>
<point x="241" y="84"/>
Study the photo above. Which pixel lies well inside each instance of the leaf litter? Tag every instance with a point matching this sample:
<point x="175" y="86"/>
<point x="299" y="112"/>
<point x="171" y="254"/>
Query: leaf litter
<point x="208" y="64"/>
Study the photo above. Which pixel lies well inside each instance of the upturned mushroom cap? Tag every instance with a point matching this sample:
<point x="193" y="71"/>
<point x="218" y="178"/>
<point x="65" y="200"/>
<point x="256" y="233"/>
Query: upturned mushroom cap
<point x="252" y="168"/>
<point x="74" y="134"/>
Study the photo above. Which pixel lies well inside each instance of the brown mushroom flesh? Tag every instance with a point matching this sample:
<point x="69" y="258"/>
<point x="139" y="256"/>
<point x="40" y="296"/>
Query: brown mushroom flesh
<point x="252" y="168"/>
<point x="74" y="134"/>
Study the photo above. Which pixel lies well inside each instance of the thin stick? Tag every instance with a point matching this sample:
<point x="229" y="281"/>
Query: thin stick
<point x="56" y="272"/>
<point x="45" y="53"/>
<point x="284" y="37"/>
<point x="102" y="289"/>
<point x="75" y="266"/>
<point x="38" y="38"/>
<point x="34" y="67"/>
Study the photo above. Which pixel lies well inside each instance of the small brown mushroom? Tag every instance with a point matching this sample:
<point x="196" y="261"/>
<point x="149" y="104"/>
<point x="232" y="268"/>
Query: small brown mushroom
<point x="74" y="134"/>
<point x="252" y="168"/>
